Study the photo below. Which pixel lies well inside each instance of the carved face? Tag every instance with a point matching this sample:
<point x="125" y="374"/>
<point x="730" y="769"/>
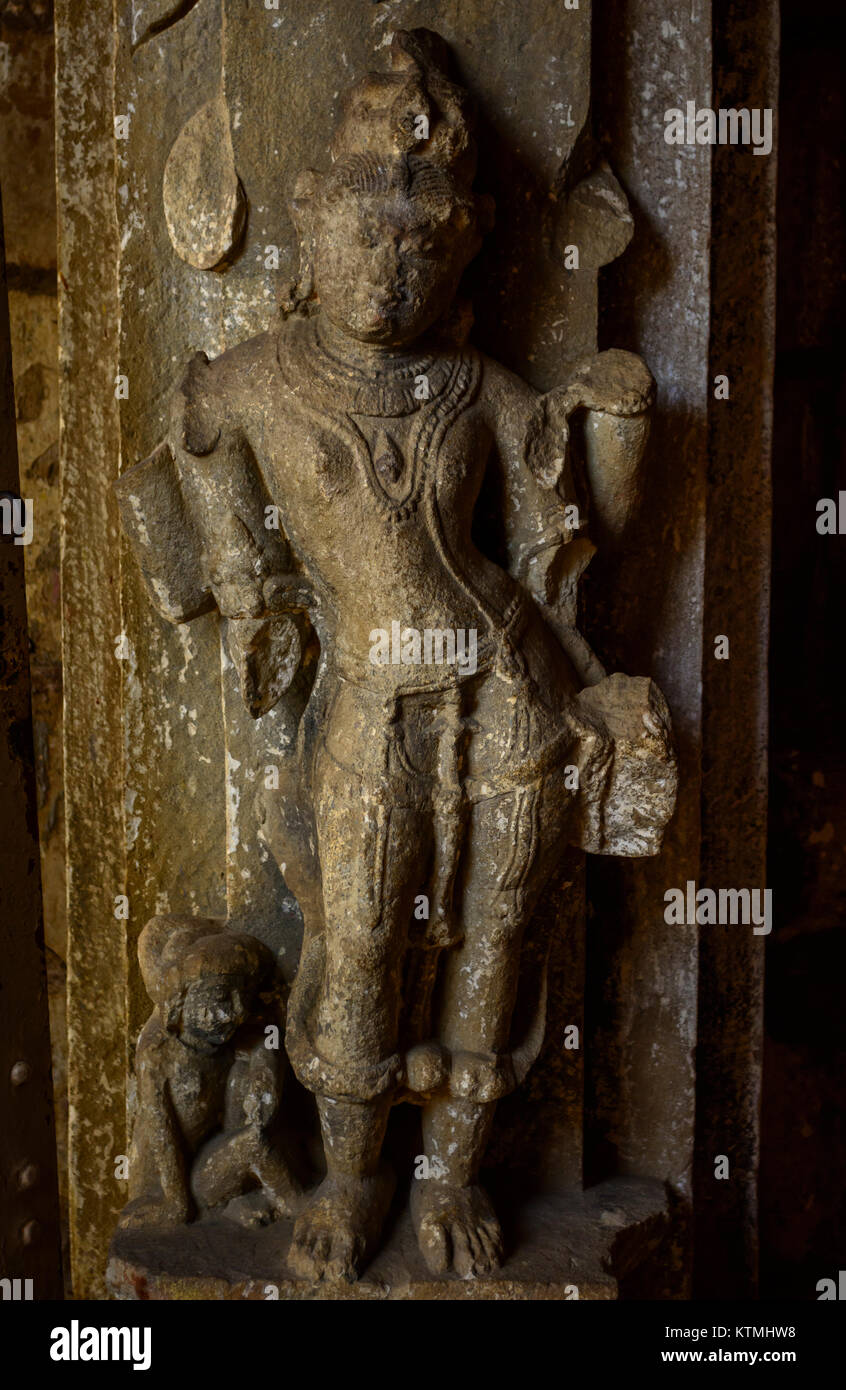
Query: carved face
<point x="387" y="266"/>
<point x="212" y="1011"/>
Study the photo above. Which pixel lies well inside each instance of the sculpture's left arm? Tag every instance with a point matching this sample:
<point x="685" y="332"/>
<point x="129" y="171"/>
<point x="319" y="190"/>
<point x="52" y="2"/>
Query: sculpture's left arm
<point x="570" y="478"/>
<point x="615" y="390"/>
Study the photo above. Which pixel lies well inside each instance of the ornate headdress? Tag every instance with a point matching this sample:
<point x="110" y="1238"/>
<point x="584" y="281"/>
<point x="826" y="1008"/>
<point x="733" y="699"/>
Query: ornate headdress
<point x="385" y="114"/>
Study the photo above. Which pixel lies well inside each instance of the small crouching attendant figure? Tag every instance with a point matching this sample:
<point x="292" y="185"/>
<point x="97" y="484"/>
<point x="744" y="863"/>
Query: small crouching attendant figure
<point x="209" y="1065"/>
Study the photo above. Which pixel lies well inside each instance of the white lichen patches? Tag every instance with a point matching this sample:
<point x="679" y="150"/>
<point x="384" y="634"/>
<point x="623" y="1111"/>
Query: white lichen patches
<point x="191" y="715"/>
<point x="140" y="520"/>
<point x="189" y="651"/>
<point x="669" y="31"/>
<point x="134" y="223"/>
<point x="233" y="804"/>
<point x="131" y="821"/>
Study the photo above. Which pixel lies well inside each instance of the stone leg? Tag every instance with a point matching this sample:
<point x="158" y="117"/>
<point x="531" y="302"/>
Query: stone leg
<point x="229" y="1165"/>
<point x="373" y="861"/>
<point x="339" y="1230"/>
<point x="513" y="842"/>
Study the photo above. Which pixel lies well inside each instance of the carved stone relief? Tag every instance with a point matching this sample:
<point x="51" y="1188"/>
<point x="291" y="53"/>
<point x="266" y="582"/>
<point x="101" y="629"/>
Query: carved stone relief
<point x="320" y="488"/>
<point x="204" y="203"/>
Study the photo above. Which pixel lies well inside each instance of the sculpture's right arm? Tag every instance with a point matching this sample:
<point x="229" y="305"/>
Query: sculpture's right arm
<point x="194" y="510"/>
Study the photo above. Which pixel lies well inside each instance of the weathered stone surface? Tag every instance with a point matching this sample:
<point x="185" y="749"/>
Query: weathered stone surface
<point x="595" y="220"/>
<point x="27" y="65"/>
<point x="604" y="1244"/>
<point x="736" y="730"/>
<point x="151" y="17"/>
<point x="645" y="603"/>
<point x="91" y="621"/>
<point x="644" y="600"/>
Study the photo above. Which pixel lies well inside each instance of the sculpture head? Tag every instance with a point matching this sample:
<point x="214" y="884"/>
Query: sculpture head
<point x="385" y="236"/>
<point x="212" y="1011"/>
<point x="204" y="979"/>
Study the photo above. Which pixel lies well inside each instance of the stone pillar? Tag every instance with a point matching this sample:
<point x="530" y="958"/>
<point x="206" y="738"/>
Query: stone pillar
<point x="27" y="106"/>
<point x="695" y="293"/>
<point x="98" y="1042"/>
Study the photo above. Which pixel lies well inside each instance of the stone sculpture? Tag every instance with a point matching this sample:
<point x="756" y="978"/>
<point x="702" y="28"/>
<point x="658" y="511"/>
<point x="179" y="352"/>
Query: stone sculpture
<point x="319" y="483"/>
<point x="208" y="1084"/>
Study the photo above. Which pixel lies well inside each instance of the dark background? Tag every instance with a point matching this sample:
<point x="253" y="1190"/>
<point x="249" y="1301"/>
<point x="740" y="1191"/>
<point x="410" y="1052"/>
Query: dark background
<point x="803" y="1141"/>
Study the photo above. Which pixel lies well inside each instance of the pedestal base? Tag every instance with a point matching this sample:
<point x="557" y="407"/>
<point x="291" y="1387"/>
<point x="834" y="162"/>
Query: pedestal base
<point x="606" y="1243"/>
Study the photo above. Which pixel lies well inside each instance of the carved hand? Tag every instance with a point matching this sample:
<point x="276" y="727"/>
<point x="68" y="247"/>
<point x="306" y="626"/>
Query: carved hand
<point x="261" y="1092"/>
<point x="616" y="390"/>
<point x="615" y="382"/>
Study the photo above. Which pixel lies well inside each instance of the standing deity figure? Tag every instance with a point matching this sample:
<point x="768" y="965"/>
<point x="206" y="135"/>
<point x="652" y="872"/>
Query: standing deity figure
<point x="324" y="482"/>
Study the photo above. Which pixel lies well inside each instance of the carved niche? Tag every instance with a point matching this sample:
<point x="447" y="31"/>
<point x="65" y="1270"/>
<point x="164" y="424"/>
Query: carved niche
<point x="320" y="488"/>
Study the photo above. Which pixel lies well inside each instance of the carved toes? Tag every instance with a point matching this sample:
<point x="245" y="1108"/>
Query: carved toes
<point x="333" y="1235"/>
<point x="456" y="1229"/>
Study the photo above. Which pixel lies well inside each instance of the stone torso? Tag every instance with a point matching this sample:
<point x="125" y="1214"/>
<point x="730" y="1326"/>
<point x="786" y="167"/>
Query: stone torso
<point x="376" y="477"/>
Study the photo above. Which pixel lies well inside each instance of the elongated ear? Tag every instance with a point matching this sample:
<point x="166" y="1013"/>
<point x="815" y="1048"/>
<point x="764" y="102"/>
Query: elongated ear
<point x="171" y="1011"/>
<point x="306" y="190"/>
<point x="303" y="207"/>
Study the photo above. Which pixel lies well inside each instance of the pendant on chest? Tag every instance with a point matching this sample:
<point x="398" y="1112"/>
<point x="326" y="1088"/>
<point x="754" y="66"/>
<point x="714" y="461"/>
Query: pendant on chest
<point x="388" y="461"/>
<point x="392" y="462"/>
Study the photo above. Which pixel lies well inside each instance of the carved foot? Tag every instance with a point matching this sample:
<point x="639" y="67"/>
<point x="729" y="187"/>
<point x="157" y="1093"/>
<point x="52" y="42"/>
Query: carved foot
<point x="456" y="1228"/>
<point x="336" y="1234"/>
<point x="251" y="1209"/>
<point x="151" y="1211"/>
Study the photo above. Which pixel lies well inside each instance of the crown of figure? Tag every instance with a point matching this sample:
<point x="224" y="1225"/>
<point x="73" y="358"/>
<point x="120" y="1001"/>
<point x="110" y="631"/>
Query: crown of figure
<point x="414" y="111"/>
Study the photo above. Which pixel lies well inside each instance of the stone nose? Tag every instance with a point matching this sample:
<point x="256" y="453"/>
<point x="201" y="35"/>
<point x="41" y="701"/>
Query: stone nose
<point x="386" y="262"/>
